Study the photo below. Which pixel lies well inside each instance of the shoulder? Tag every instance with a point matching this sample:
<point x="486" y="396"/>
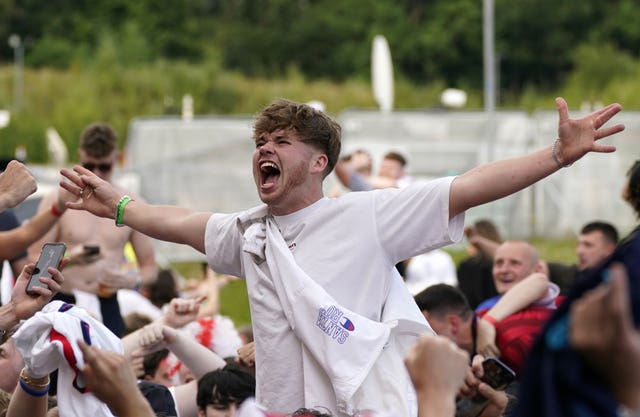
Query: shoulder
<point x="484" y="306"/>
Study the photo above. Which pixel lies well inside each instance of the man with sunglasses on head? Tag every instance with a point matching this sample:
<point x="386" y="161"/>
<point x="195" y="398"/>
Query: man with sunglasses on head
<point x="98" y="272"/>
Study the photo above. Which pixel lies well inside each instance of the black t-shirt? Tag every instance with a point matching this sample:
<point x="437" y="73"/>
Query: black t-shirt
<point x="475" y="279"/>
<point x="563" y="275"/>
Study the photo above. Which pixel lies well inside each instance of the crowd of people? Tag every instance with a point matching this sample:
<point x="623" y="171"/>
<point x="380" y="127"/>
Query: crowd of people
<point x="355" y="309"/>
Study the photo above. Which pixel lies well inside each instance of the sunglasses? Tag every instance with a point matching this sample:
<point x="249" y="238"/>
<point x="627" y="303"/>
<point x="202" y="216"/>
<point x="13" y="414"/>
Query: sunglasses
<point x="91" y="166"/>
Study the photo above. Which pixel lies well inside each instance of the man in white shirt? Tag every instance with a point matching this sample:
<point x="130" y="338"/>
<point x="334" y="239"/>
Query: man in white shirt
<point x="347" y="246"/>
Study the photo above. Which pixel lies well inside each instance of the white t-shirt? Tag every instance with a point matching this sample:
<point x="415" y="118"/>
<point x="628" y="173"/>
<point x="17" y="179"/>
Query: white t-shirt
<point x="427" y="269"/>
<point x="348" y="245"/>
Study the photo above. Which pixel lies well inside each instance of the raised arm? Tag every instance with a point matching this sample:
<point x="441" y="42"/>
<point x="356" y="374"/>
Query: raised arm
<point x="576" y="138"/>
<point x="168" y="223"/>
<point x="110" y="377"/>
<point x="523" y="294"/>
<point x="192" y="354"/>
<point x="526" y="292"/>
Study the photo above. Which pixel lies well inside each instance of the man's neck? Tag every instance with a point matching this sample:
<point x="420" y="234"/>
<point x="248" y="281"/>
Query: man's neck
<point x="295" y="207"/>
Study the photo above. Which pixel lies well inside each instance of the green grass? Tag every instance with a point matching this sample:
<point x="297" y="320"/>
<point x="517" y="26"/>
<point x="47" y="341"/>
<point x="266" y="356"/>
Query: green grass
<point x="234" y="302"/>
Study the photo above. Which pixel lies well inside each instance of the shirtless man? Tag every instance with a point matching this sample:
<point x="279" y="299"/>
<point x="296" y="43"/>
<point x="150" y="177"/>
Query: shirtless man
<point x="98" y="154"/>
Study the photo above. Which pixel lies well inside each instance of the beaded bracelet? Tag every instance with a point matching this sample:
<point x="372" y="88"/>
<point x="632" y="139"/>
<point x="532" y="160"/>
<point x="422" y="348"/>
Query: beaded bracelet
<point x="554" y="155"/>
<point x="120" y="209"/>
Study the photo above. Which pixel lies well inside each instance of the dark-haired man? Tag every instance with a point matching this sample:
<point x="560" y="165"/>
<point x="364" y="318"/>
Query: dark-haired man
<point x="448" y="312"/>
<point x="596" y="242"/>
<point x="222" y="391"/>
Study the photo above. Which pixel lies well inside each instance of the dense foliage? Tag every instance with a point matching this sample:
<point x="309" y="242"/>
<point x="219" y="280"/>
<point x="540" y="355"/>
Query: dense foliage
<point x="431" y="40"/>
<point x="113" y="60"/>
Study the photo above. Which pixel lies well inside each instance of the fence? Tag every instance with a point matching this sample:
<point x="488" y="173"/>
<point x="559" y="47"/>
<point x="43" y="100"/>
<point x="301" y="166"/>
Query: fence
<point x="205" y="164"/>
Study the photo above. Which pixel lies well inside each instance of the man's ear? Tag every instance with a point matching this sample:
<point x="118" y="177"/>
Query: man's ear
<point x="541" y="266"/>
<point x="319" y="163"/>
<point x="454" y="322"/>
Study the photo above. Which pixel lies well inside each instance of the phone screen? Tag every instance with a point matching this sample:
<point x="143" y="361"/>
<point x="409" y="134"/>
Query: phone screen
<point x="497" y="374"/>
<point x="50" y="255"/>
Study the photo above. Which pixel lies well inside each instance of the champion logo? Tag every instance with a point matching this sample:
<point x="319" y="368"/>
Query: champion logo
<point x="334" y="324"/>
<point x="346" y="324"/>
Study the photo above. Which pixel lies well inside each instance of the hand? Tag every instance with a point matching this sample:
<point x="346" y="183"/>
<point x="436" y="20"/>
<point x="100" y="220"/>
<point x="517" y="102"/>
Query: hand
<point x="472" y="378"/>
<point x="91" y="192"/>
<point x="156" y="336"/>
<point x="114" y="276"/>
<point x="25" y="305"/>
<point x="137" y="362"/>
<point x="78" y="255"/>
<point x="577" y="137"/>
<point x="110" y="377"/>
<point x="486" y="339"/>
<point x="498" y="401"/>
<point x="437" y="368"/>
<point x="474" y="386"/>
<point x="602" y="330"/>
<point x="16" y="184"/>
<point x="64" y="197"/>
<point x="247" y="355"/>
<point x="182" y="311"/>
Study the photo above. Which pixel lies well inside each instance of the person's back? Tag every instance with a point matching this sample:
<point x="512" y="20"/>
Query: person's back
<point x="433" y="267"/>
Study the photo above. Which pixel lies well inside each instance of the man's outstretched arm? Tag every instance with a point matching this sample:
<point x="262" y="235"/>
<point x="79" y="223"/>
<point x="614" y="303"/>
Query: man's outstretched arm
<point x="576" y="138"/>
<point x="168" y="223"/>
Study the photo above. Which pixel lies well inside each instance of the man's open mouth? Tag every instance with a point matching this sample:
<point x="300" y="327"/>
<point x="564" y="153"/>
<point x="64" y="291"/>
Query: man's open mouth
<point x="269" y="173"/>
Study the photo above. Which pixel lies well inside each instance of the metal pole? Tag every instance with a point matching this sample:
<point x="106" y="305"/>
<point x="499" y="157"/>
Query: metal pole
<point x="489" y="58"/>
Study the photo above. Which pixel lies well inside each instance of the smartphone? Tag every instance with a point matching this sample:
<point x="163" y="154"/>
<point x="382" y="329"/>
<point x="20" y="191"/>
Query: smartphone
<point x="497" y="375"/>
<point x="91" y="249"/>
<point x="50" y="255"/>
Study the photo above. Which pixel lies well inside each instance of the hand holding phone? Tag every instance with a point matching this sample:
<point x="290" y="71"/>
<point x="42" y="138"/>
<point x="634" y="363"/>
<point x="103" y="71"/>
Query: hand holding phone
<point x="497" y="375"/>
<point x="50" y="255"/>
